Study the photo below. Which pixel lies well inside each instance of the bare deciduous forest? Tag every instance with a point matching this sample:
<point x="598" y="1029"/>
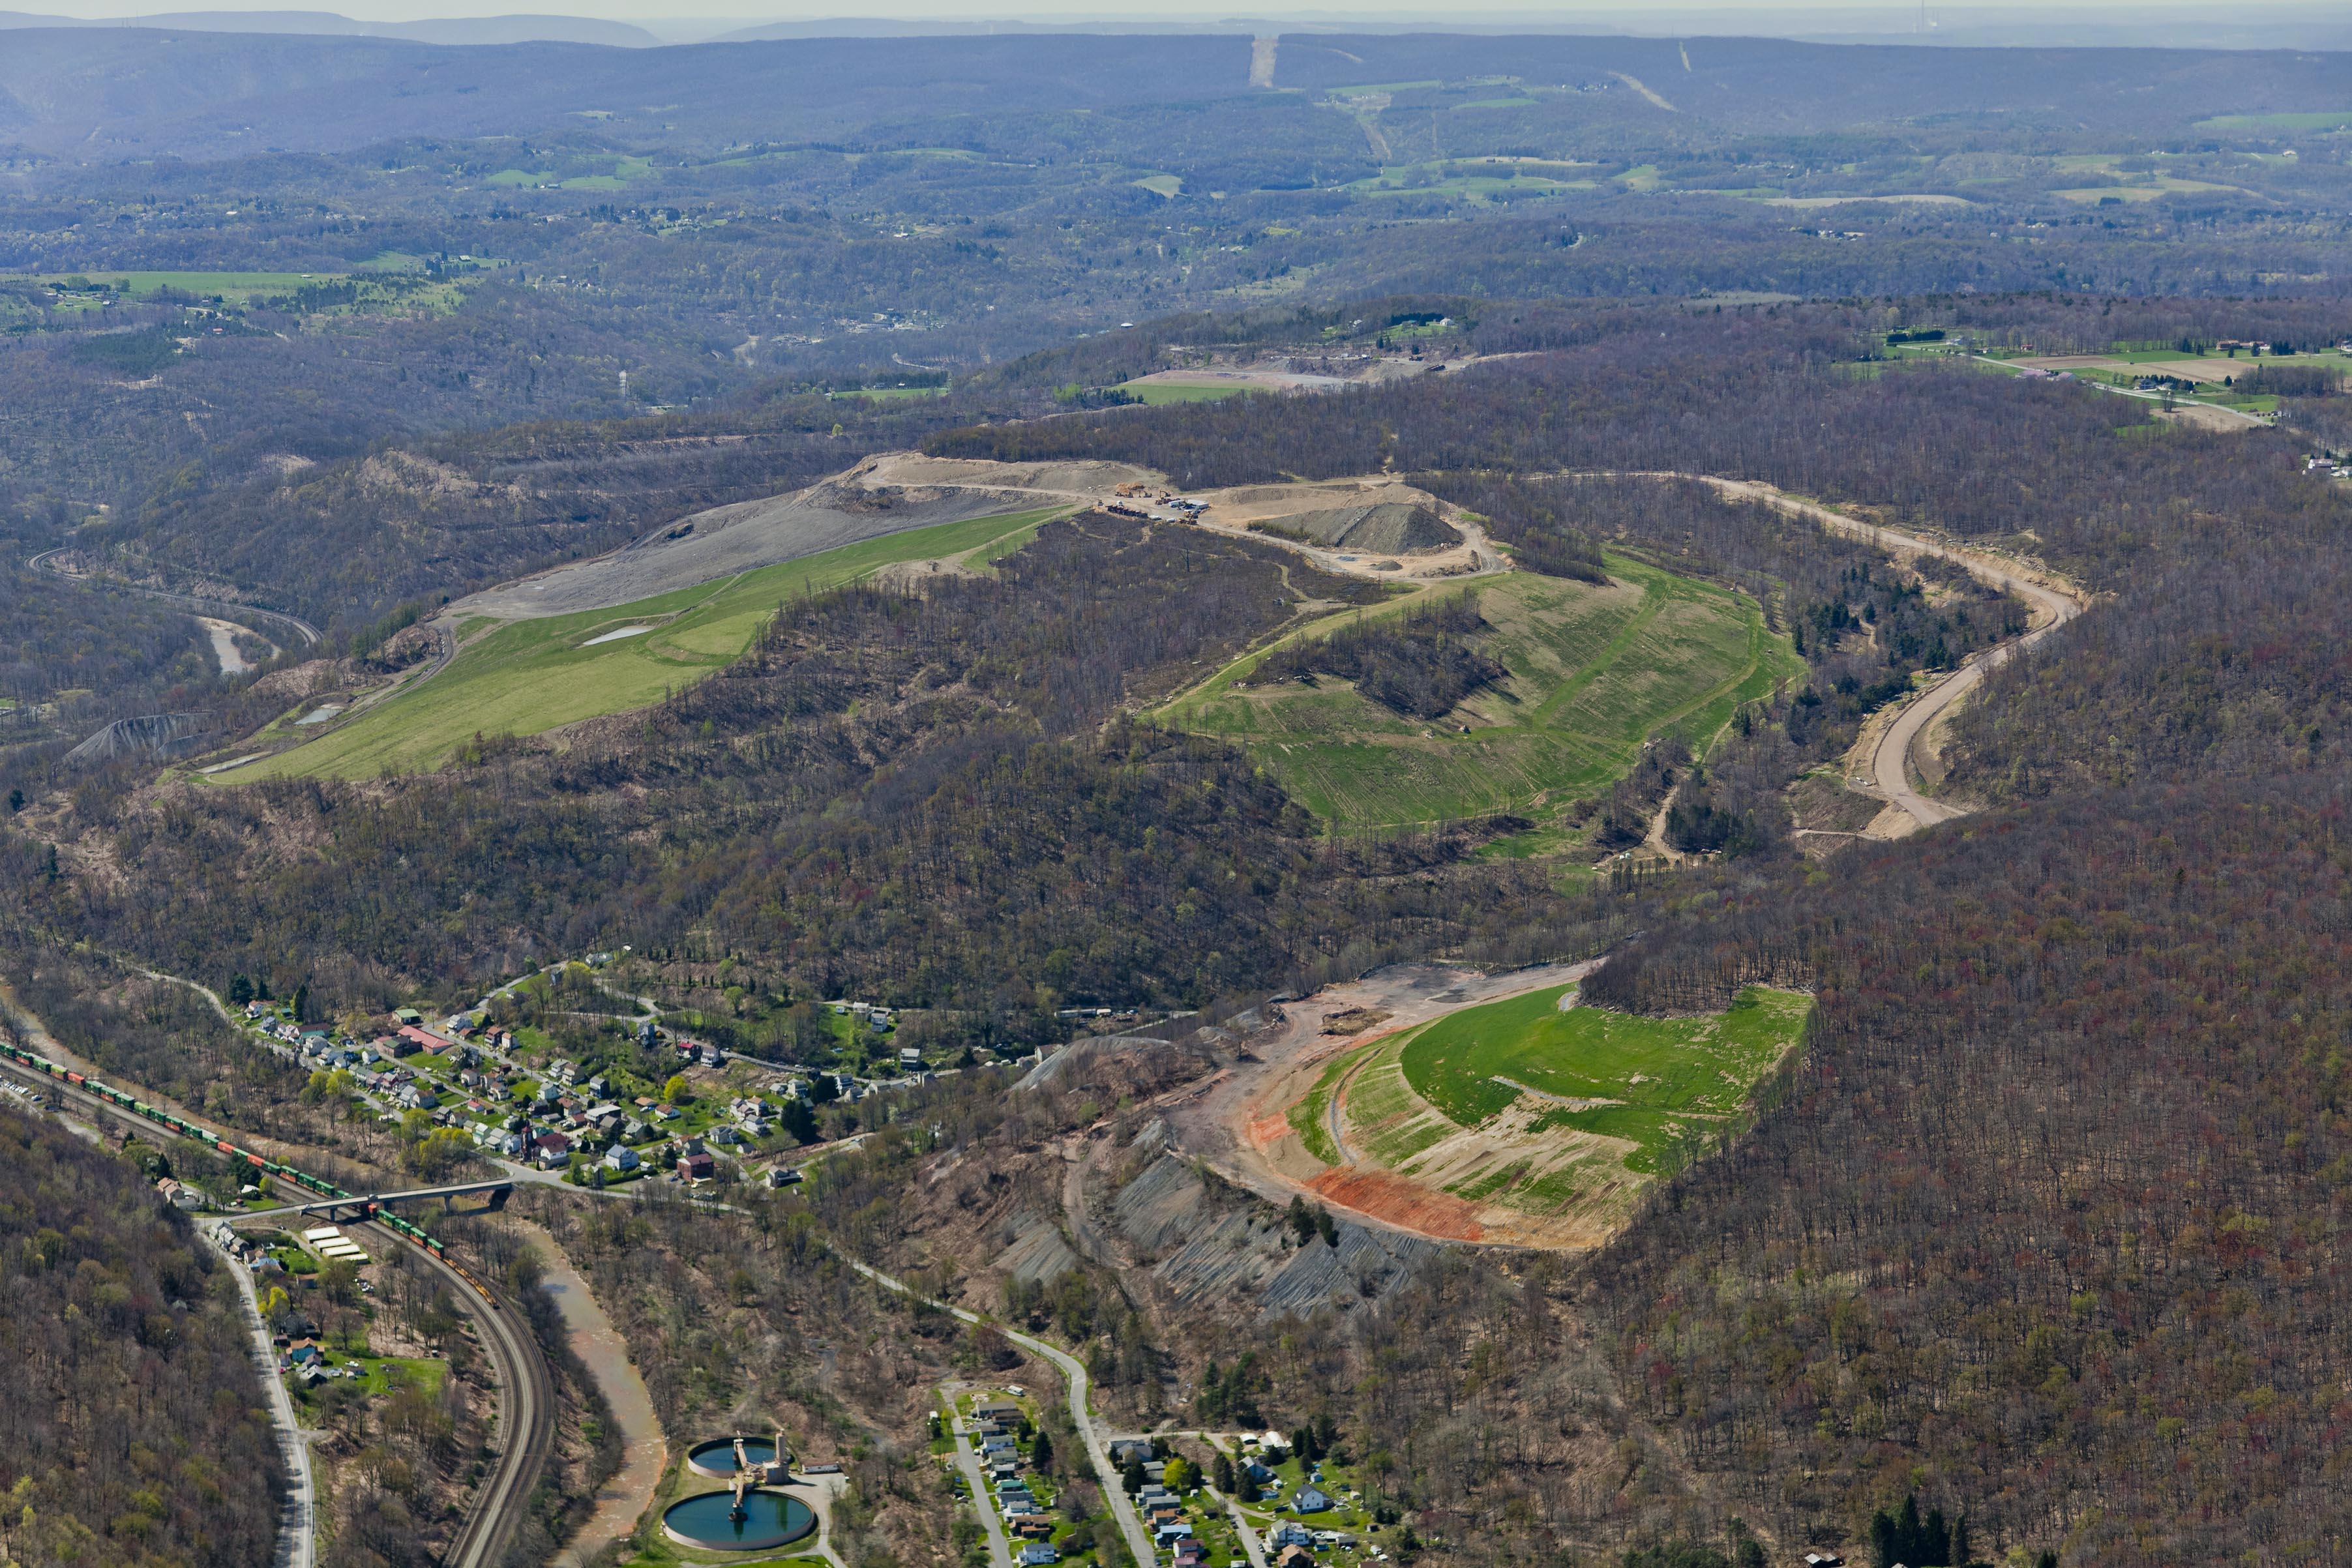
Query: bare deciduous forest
<point x="2041" y="1228"/>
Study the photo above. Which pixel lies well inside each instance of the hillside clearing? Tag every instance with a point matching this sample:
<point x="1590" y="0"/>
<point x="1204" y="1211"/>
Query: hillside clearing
<point x="1594" y="671"/>
<point x="1531" y="1120"/>
<point x="527" y="678"/>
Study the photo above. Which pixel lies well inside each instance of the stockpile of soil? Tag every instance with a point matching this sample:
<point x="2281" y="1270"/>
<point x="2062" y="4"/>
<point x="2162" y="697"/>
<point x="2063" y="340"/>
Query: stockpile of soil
<point x="1385" y="527"/>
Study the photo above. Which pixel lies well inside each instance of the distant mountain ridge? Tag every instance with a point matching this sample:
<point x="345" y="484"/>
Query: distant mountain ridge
<point x="520" y="28"/>
<point x="107" y="92"/>
<point x="104" y="93"/>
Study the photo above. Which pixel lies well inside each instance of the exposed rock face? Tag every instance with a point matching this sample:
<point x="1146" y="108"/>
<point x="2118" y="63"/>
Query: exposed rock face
<point x="1038" y="1255"/>
<point x="1227" y="1245"/>
<point x="154" y="735"/>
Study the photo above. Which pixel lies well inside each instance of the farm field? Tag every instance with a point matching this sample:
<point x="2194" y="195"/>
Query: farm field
<point x="2320" y="120"/>
<point x="1155" y="394"/>
<point x="239" y="285"/>
<point x="1481" y="179"/>
<point x="1593" y="672"/>
<point x="1531" y="1119"/>
<point x="526" y="677"/>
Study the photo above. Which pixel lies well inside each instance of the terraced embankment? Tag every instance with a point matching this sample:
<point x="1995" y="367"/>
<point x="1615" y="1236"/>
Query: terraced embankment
<point x="1492" y="1110"/>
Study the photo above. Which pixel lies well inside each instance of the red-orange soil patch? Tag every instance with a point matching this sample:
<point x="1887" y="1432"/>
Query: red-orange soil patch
<point x="1265" y="1131"/>
<point x="1387" y="1196"/>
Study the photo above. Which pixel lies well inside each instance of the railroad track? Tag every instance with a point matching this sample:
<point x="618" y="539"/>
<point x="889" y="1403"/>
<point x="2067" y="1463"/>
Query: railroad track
<point x="526" y="1422"/>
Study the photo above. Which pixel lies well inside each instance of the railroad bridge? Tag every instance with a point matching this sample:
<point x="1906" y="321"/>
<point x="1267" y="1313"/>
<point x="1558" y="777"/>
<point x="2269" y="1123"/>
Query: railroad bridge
<point x="363" y="1205"/>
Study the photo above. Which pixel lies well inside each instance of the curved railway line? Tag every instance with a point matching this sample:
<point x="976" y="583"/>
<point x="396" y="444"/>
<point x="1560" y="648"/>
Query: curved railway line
<point x="526" y="1421"/>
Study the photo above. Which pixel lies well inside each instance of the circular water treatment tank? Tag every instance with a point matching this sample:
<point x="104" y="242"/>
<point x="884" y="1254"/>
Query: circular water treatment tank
<point x="715" y="1459"/>
<point x="769" y="1520"/>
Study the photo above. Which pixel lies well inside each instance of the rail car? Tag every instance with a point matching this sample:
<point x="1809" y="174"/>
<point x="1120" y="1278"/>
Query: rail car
<point x="413" y="1234"/>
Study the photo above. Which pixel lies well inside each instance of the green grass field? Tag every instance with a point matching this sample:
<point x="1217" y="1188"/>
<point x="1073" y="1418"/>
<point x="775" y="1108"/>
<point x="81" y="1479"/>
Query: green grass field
<point x="1158" y="395"/>
<point x="890" y="394"/>
<point x="2143" y="188"/>
<point x="1477" y="179"/>
<point x="526" y="677"/>
<point x="1594" y="672"/>
<point x="2323" y="120"/>
<point x="1662" y="1075"/>
<point x="227" y="285"/>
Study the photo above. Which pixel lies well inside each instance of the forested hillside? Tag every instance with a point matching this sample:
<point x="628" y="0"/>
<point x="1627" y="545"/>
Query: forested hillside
<point x="932" y="798"/>
<point x="2042" y="1225"/>
<point x="133" y="1432"/>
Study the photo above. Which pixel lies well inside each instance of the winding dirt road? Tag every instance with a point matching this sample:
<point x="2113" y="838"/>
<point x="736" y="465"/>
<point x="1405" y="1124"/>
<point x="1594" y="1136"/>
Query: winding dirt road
<point x="2051" y="602"/>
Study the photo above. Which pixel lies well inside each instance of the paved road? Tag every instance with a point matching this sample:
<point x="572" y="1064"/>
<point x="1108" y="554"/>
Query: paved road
<point x="297" y="1524"/>
<point x="1122" y="1507"/>
<point x="998" y="1554"/>
<point x="1255" y="1548"/>
<point x="526" y="1422"/>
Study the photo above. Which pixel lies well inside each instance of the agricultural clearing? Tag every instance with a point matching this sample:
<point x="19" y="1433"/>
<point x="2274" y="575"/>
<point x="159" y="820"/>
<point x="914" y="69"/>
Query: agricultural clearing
<point x="235" y="286"/>
<point x="527" y="678"/>
<point x="1593" y="672"/>
<point x="1157" y="394"/>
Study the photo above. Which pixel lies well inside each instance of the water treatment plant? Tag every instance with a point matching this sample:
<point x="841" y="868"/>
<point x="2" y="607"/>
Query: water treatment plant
<point x="744" y="1515"/>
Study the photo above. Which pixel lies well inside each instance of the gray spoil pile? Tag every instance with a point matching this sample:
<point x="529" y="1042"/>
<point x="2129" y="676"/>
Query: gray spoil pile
<point x="1038" y="1255"/>
<point x="1386" y="527"/>
<point x="155" y="735"/>
<point x="734" y="538"/>
<point x="1079" y="1055"/>
<point x="1232" y="1246"/>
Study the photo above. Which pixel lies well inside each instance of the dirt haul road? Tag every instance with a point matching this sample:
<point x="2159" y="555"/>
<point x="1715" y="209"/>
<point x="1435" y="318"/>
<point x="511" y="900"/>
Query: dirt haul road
<point x="1231" y="511"/>
<point x="2051" y="602"/>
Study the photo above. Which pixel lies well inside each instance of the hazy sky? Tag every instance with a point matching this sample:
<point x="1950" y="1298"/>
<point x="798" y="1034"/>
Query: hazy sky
<point x="684" y="13"/>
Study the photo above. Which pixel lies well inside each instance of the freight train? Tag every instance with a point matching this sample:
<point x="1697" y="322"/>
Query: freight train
<point x="318" y="1186"/>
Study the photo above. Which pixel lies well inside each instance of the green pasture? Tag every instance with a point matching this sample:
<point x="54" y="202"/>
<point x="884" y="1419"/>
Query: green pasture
<point x="1475" y="179"/>
<point x="1594" y="672"/>
<point x="1167" y="185"/>
<point x="144" y="285"/>
<point x="623" y="171"/>
<point x="2321" y="120"/>
<point x="1662" y="1075"/>
<point x="2145" y="188"/>
<point x="890" y="394"/>
<point x="1386" y="1119"/>
<point x="1156" y="394"/>
<point x="526" y="677"/>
